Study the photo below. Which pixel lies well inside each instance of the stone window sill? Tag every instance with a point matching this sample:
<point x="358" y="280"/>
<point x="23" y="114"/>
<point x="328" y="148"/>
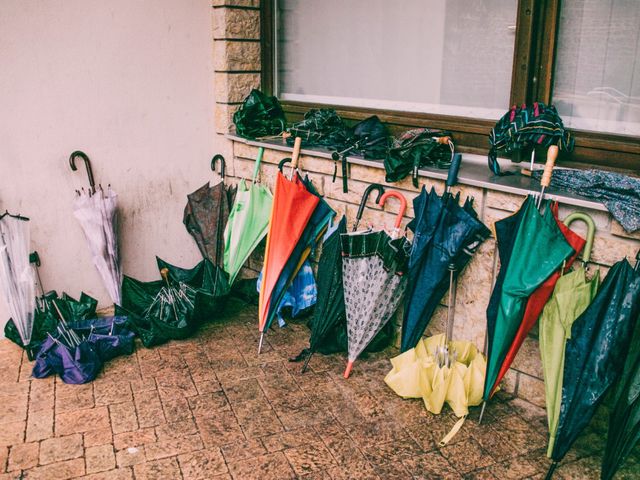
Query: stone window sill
<point x="473" y="172"/>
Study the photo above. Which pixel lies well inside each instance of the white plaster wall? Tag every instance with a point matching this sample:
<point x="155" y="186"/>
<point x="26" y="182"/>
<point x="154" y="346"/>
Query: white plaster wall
<point x="130" y="83"/>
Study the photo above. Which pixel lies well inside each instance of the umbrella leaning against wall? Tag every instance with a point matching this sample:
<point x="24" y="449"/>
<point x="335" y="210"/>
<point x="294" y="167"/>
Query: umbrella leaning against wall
<point x="572" y="294"/>
<point x="95" y="210"/>
<point x="248" y="222"/>
<point x="446" y="235"/>
<point x="17" y="279"/>
<point x="206" y="214"/>
<point x="537" y="250"/>
<point x="595" y="353"/>
<point x="374" y="277"/>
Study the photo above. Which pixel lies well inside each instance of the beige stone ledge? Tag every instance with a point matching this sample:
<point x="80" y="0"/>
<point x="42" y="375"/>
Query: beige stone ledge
<point x="236" y="23"/>
<point x="235" y="3"/>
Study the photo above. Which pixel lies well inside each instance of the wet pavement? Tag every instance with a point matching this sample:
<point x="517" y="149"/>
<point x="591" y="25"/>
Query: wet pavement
<point x="211" y="408"/>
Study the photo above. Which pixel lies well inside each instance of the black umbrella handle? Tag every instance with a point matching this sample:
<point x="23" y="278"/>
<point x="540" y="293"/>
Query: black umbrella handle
<point x="87" y="164"/>
<point x="283" y="162"/>
<point x="365" y="197"/>
<point x="223" y="164"/>
<point x="452" y="178"/>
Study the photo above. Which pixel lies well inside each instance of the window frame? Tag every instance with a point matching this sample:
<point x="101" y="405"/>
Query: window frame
<point x="532" y="79"/>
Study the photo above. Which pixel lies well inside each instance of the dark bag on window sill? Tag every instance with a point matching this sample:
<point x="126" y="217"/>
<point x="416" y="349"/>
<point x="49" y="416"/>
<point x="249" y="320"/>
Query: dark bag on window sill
<point x="414" y="149"/>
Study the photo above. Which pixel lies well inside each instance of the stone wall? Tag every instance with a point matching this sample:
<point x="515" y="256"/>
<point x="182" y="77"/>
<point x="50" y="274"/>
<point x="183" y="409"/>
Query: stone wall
<point x="237" y="65"/>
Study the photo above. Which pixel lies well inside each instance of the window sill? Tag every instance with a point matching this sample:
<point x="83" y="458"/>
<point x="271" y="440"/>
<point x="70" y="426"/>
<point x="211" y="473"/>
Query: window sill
<point x="473" y="172"/>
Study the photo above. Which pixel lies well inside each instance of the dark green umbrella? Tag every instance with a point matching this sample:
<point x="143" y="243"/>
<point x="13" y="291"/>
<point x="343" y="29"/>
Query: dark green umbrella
<point x="259" y="116"/>
<point x="595" y="354"/>
<point x="172" y="308"/>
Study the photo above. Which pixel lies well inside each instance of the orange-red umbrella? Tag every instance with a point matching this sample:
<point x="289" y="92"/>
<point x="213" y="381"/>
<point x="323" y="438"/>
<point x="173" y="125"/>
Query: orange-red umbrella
<point x="292" y="208"/>
<point x="539" y="298"/>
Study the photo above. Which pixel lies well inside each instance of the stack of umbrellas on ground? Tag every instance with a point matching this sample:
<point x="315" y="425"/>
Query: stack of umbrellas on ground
<point x="438" y="369"/>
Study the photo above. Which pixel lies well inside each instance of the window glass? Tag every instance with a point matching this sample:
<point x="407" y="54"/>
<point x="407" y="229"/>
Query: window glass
<point x="451" y="57"/>
<point x="597" y="72"/>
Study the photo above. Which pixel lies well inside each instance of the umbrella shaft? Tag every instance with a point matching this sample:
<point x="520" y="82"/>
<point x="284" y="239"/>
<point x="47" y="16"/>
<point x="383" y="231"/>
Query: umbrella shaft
<point x="451" y="309"/>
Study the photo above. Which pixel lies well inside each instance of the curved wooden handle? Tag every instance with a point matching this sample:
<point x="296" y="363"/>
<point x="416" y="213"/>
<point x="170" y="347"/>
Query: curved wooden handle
<point x="443" y="140"/>
<point x="164" y="273"/>
<point x="403" y="204"/>
<point x="297" y="144"/>
<point x="552" y="155"/>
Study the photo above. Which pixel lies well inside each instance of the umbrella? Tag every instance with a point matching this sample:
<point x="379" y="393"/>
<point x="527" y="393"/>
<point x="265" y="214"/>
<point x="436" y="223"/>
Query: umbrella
<point x="595" y="353"/>
<point x="110" y="336"/>
<point x="17" y="280"/>
<point x="330" y="310"/>
<point x="527" y="126"/>
<point x="95" y="210"/>
<point x="533" y="251"/>
<point x="320" y="128"/>
<point x="259" y="116"/>
<point x="317" y="225"/>
<point x="624" y="421"/>
<point x="619" y="193"/>
<point x="293" y="206"/>
<point x="173" y="307"/>
<point x="248" y="222"/>
<point x="206" y="213"/>
<point x="539" y="298"/>
<point x="445" y="234"/>
<point x="571" y="296"/>
<point x="373" y="273"/>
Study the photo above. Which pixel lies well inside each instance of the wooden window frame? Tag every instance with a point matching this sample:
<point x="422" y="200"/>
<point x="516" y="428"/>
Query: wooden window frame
<point x="532" y="79"/>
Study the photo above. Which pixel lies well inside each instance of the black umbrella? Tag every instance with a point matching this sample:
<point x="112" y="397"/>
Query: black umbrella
<point x="206" y="214"/>
<point x="624" y="422"/>
<point x="446" y="235"/>
<point x="596" y="353"/>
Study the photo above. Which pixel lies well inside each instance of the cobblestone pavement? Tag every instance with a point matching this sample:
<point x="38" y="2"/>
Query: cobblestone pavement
<point x="211" y="408"/>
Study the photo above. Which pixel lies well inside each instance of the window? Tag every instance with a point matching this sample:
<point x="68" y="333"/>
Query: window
<point x="460" y="64"/>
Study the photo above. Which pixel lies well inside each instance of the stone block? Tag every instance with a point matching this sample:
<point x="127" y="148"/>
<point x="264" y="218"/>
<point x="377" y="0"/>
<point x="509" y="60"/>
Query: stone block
<point x="503" y="201"/>
<point x="236" y="3"/>
<point x="236" y="56"/>
<point x="608" y="249"/>
<point x="100" y="458"/>
<point x="528" y="358"/>
<point x="223" y="116"/>
<point x="59" y="470"/>
<point x="61" y="448"/>
<point x="619" y="231"/>
<point x="531" y="389"/>
<point x="236" y="23"/>
<point x="234" y="87"/>
<point x="23" y="456"/>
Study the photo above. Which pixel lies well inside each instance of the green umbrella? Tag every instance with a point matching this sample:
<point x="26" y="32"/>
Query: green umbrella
<point x="571" y="296"/>
<point x="248" y="222"/>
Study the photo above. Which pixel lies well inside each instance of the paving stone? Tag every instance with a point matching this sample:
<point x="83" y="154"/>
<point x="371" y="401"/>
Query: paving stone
<point x="134" y="439"/>
<point x="100" y="458"/>
<point x="202" y="405"/>
<point x="176" y="409"/>
<point x="81" y="421"/>
<point x="23" y="456"/>
<point x="173" y="447"/>
<point x="59" y="471"/>
<point x="123" y="417"/>
<point x="219" y="429"/>
<point x="97" y="437"/>
<point x="148" y="408"/>
<point x="107" y="392"/>
<point x="202" y="465"/>
<point x="309" y="458"/>
<point x="466" y="456"/>
<point x="12" y="433"/>
<point x="61" y="448"/>
<point x="40" y="425"/>
<point x="115" y="474"/>
<point x="272" y="465"/>
<point x="130" y="456"/>
<point x="242" y="450"/>
<point x="159" y="469"/>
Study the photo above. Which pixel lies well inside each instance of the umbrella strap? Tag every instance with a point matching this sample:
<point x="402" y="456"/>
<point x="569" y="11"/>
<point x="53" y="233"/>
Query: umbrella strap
<point x="452" y="433"/>
<point x="256" y="168"/>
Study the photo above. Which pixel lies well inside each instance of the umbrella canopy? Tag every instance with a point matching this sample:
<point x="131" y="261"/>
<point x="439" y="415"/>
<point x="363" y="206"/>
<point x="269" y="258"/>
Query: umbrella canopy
<point x="373" y="272"/>
<point x="206" y="213"/>
<point x="596" y="353"/>
<point x="172" y="308"/>
<point x="539" y="248"/>
<point x="17" y="278"/>
<point x="572" y="294"/>
<point x="110" y="336"/>
<point x="248" y="222"/>
<point x="539" y="298"/>
<point x="293" y="206"/>
<point x="96" y="213"/>
<point x="259" y="116"/>
<point x="317" y="225"/>
<point x="624" y="422"/>
<point x="445" y="233"/>
<point x="320" y="127"/>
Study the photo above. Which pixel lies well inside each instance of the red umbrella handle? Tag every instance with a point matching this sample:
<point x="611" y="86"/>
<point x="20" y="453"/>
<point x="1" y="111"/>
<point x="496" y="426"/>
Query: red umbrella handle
<point x="403" y="204"/>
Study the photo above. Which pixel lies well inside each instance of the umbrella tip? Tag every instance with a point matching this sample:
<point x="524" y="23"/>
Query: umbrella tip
<point x="347" y="371"/>
<point x="260" y="343"/>
<point x="484" y="405"/>
<point x="552" y="468"/>
<point x="306" y="362"/>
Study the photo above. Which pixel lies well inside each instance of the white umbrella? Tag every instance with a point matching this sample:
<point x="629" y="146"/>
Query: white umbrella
<point x="17" y="281"/>
<point x="96" y="213"/>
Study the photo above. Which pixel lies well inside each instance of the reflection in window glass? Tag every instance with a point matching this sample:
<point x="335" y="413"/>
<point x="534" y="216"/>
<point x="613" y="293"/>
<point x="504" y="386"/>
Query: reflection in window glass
<point x="597" y="71"/>
<point x="439" y="56"/>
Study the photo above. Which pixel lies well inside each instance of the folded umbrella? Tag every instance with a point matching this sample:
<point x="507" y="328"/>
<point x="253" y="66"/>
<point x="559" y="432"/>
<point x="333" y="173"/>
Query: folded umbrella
<point x="96" y="211"/>
<point x="206" y="214"/>
<point x="110" y="336"/>
<point x="539" y="298"/>
<point x="259" y="116"/>
<point x="445" y="234"/>
<point x="595" y="353"/>
<point x="373" y="272"/>
<point x="624" y="421"/>
<point x="293" y="206"/>
<point x="17" y="279"/>
<point x="248" y="222"/>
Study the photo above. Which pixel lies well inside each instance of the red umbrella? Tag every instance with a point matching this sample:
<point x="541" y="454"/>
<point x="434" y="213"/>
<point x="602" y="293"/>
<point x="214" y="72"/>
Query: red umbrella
<point x="539" y="298"/>
<point x="292" y="208"/>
